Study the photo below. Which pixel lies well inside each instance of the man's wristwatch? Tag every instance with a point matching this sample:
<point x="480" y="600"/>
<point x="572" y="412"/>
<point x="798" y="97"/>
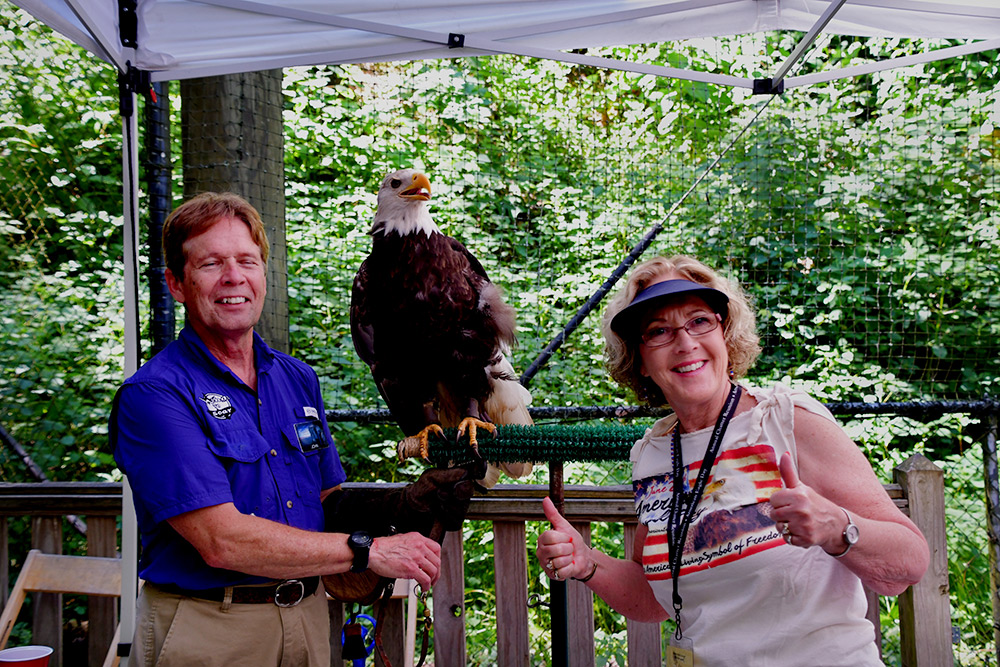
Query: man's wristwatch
<point x="360" y="543"/>
<point x="851" y="535"/>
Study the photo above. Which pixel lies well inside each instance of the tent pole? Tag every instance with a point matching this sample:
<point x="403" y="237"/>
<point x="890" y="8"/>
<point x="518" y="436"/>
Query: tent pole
<point x="807" y="41"/>
<point x="130" y="229"/>
<point x="892" y="63"/>
<point x="156" y="152"/>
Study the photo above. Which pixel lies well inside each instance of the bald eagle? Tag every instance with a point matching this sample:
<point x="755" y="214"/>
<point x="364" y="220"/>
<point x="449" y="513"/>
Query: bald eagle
<point x="433" y="328"/>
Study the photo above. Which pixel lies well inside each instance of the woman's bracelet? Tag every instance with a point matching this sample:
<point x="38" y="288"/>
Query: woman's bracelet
<point x="589" y="576"/>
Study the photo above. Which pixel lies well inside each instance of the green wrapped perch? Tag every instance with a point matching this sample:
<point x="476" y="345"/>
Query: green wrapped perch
<point x="575" y="442"/>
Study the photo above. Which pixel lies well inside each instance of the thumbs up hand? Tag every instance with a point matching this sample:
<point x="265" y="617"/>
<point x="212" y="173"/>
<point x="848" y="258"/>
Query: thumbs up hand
<point x="561" y="551"/>
<point x="789" y="474"/>
<point x="802" y="516"/>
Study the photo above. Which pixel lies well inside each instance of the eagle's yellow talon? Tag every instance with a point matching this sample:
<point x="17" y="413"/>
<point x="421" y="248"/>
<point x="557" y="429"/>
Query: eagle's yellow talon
<point x="472" y="425"/>
<point x="424" y="435"/>
<point x="418" y="444"/>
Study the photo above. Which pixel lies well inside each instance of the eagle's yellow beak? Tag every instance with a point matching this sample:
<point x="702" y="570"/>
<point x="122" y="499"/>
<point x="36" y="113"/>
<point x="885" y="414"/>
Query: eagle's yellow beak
<point x="419" y="189"/>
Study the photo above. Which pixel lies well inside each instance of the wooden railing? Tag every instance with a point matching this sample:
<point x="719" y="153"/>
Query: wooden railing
<point x="48" y="503"/>
<point x="924" y="609"/>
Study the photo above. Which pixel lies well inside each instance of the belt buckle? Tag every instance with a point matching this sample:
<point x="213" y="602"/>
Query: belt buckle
<point x="296" y="591"/>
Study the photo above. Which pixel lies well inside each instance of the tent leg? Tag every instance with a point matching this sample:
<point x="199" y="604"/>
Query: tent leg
<point x="130" y="196"/>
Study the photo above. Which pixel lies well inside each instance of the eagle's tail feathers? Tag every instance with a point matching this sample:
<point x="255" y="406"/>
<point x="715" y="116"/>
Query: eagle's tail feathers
<point x="507" y="404"/>
<point x="492" y="476"/>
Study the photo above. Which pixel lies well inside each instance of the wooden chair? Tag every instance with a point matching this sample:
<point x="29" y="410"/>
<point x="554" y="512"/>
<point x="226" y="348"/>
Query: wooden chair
<point x="48" y="573"/>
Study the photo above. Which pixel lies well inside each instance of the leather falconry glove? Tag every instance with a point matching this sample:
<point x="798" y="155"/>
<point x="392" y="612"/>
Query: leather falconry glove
<point x="435" y="503"/>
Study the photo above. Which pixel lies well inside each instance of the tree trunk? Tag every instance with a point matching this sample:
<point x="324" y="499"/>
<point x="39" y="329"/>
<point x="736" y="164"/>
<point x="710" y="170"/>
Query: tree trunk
<point x="232" y="141"/>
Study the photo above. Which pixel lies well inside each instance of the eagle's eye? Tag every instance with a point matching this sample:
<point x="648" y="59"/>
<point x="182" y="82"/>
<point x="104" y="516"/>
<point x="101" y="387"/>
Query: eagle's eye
<point x="395" y="183"/>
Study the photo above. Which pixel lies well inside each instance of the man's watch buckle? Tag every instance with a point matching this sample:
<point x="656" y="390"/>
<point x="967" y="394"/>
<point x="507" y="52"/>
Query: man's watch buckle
<point x="289" y="593"/>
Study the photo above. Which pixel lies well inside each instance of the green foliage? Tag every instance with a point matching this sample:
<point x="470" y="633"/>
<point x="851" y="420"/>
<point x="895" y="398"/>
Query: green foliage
<point x="60" y="295"/>
<point x="550" y="177"/>
<point x="968" y="555"/>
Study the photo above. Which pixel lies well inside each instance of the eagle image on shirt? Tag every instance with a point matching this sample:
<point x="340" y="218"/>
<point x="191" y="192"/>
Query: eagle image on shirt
<point x="733" y="518"/>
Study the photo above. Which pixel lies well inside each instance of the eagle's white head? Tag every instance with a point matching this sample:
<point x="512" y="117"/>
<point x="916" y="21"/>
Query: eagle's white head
<point x="402" y="204"/>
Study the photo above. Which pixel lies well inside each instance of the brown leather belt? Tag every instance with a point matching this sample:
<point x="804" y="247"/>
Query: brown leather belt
<point x="286" y="593"/>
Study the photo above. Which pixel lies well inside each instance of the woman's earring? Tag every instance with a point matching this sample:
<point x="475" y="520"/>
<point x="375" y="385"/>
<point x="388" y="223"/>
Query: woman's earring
<point x="732" y="373"/>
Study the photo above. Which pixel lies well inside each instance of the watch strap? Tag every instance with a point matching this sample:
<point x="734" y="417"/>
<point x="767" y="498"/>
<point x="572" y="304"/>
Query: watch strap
<point x="360" y="543"/>
<point x="850" y="543"/>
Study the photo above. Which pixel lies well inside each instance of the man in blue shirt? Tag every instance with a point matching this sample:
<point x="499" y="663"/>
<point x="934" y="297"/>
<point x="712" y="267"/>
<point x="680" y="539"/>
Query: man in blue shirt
<point x="226" y="447"/>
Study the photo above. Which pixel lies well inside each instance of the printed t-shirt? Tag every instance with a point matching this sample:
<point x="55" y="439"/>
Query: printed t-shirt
<point x="748" y="597"/>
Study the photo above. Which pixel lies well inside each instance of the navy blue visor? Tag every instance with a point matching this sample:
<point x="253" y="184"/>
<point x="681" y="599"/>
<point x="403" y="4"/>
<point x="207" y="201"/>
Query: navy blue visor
<point x="626" y="322"/>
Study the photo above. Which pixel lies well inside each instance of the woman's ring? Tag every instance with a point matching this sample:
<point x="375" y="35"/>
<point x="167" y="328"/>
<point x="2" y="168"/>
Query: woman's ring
<point x="548" y="566"/>
<point x="555" y="574"/>
<point x="785" y="532"/>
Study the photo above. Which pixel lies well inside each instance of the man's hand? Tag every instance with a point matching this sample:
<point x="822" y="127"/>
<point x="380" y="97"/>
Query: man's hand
<point x="407" y="556"/>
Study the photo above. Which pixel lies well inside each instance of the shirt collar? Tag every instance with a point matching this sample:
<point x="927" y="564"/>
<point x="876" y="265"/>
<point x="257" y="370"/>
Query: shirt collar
<point x="263" y="355"/>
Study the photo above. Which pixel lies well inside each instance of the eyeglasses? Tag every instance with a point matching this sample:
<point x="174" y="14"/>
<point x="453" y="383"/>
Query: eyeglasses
<point x="696" y="326"/>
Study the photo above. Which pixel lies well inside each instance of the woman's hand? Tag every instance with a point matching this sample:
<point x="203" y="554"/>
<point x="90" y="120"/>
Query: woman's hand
<point x="561" y="550"/>
<point x="562" y="553"/>
<point x="803" y="516"/>
<point x="890" y="553"/>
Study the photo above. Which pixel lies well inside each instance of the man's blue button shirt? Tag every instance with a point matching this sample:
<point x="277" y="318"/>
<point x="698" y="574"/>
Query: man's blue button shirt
<point x="190" y="434"/>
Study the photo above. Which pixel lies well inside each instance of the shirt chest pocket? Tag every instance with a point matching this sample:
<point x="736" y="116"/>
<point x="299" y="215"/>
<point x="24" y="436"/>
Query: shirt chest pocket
<point x="306" y="440"/>
<point x="306" y="436"/>
<point x="242" y="445"/>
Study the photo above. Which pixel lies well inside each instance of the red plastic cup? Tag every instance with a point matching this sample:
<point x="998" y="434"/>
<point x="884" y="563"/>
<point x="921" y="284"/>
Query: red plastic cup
<point x="26" y="656"/>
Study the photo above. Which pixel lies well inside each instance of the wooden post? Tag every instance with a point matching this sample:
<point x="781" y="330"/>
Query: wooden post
<point x="232" y="138"/>
<point x="925" y="609"/>
<point x="644" y="645"/>
<point x="990" y="477"/>
<point x="580" y="614"/>
<point x="4" y="562"/>
<point x="46" y="628"/>
<point x="102" y="612"/>
<point x="558" y="604"/>
<point x="337" y="619"/>
<point x="449" y="605"/>
<point x="510" y="563"/>
<point x="393" y="628"/>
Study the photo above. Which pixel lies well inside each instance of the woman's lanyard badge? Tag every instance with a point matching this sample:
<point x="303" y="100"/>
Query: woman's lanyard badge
<point x="682" y="511"/>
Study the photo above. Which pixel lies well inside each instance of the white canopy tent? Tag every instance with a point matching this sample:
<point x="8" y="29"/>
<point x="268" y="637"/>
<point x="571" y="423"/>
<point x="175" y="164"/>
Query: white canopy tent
<point x="180" y="39"/>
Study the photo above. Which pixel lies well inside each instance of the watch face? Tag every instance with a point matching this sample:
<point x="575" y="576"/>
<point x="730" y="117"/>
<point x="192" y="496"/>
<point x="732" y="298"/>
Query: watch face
<point x="362" y="540"/>
<point x="851" y="534"/>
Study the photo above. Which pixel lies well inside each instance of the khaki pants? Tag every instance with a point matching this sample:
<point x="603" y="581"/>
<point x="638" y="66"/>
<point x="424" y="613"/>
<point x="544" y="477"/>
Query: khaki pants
<point x="176" y="631"/>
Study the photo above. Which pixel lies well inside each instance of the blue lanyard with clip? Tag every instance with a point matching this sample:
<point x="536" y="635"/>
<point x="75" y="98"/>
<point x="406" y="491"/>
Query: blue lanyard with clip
<point x="685" y="503"/>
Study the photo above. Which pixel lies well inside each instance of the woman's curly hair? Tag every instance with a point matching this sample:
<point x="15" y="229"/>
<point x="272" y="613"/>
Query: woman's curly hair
<point x="739" y="328"/>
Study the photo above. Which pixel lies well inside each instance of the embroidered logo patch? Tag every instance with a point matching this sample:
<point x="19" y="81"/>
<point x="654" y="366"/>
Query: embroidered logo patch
<point x="219" y="405"/>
